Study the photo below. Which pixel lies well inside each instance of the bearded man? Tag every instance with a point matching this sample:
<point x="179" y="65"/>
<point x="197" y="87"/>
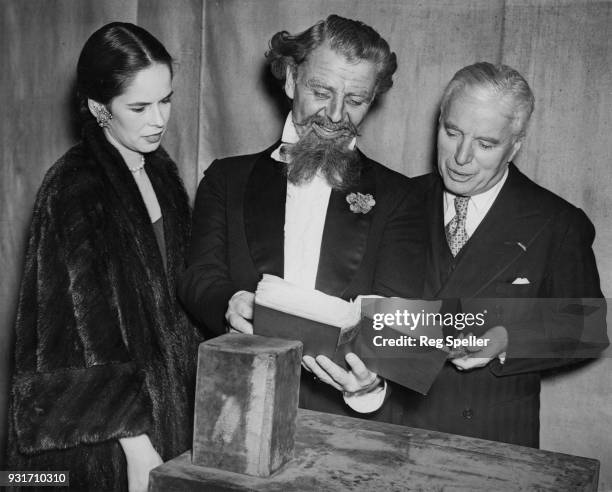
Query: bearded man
<point x="311" y="208"/>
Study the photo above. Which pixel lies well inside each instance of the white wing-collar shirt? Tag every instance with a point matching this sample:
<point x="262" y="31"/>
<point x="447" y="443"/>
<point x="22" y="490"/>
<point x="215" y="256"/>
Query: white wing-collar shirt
<point x="305" y="212"/>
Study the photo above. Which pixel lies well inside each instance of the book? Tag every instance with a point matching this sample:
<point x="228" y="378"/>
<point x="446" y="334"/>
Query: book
<point x="333" y="327"/>
<point x="321" y="322"/>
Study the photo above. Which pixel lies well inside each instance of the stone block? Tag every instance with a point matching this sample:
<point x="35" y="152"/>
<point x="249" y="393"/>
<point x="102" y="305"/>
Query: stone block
<point x="246" y="403"/>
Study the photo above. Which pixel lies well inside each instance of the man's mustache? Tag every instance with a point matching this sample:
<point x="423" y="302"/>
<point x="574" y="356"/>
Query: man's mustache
<point x="346" y="127"/>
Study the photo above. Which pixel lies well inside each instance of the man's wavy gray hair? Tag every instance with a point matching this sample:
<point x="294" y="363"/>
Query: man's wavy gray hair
<point x="353" y="39"/>
<point x="500" y="80"/>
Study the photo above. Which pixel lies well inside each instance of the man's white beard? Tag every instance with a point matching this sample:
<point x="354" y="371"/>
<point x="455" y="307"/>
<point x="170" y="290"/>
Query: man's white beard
<point x="331" y="157"/>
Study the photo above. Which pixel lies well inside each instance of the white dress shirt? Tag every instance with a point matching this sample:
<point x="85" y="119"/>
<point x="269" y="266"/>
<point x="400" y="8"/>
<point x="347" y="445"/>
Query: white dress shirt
<point x="478" y="206"/>
<point x="305" y="212"/>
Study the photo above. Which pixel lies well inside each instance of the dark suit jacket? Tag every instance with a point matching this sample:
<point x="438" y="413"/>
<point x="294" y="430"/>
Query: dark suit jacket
<point x="238" y="235"/>
<point x="528" y="233"/>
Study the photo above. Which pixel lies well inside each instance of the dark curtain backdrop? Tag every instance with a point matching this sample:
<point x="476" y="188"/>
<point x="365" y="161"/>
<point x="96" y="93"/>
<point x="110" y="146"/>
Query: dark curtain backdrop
<point x="226" y="103"/>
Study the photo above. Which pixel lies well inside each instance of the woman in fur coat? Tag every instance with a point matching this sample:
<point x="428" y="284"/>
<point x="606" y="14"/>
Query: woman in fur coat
<point x="105" y="358"/>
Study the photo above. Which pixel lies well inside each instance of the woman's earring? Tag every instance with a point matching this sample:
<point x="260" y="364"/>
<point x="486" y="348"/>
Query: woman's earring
<point x="103" y="116"/>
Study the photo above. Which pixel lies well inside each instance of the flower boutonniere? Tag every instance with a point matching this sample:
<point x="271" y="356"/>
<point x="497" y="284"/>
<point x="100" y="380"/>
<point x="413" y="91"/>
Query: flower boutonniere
<point x="360" y="203"/>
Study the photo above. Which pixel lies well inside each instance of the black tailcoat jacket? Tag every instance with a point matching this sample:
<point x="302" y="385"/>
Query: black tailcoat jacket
<point x="531" y="244"/>
<point x="238" y="235"/>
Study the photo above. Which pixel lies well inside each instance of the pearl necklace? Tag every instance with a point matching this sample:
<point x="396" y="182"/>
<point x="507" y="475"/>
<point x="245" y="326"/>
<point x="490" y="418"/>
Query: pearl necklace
<point x="140" y="167"/>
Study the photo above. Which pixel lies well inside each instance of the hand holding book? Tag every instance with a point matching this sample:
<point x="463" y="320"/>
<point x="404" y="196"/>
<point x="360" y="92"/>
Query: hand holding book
<point x="358" y="380"/>
<point x="240" y="312"/>
<point x="332" y="329"/>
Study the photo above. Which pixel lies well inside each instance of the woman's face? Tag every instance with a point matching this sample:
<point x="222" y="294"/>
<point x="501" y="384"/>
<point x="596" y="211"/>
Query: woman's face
<point x="141" y="112"/>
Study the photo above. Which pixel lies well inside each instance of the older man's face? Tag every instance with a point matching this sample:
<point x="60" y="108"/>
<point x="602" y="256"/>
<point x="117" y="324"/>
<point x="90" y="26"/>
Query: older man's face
<point x="476" y="140"/>
<point x="327" y="84"/>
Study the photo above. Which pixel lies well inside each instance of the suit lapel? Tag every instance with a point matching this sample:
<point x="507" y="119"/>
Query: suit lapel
<point x="505" y="234"/>
<point x="264" y="214"/>
<point x="437" y="238"/>
<point x="345" y="235"/>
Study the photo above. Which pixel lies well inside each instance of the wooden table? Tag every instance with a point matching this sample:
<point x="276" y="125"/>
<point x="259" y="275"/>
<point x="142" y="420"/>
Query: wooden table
<point x="341" y="453"/>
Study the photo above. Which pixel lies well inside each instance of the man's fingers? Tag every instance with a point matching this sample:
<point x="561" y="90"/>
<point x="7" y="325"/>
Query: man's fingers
<point x="239" y="324"/>
<point x="474" y="348"/>
<point x="239" y="311"/>
<point x="488" y="352"/>
<point x="242" y="304"/>
<point x="308" y="362"/>
<point x="244" y="309"/>
<point x="359" y="369"/>
<point x="338" y="374"/>
<point x="495" y="341"/>
<point x="467" y="363"/>
<point x="314" y="367"/>
<point x="476" y="357"/>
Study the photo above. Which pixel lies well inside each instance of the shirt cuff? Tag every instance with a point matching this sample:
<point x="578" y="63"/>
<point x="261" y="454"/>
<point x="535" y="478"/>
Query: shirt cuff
<point x="370" y="402"/>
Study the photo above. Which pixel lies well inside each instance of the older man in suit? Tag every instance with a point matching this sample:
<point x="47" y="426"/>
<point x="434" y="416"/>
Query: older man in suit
<point x="507" y="248"/>
<point x="311" y="208"/>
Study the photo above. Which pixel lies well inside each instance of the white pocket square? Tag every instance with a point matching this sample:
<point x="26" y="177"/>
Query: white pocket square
<point x="520" y="281"/>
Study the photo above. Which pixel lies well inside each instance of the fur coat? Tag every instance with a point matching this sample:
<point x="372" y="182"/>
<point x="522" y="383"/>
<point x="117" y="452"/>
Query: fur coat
<point x="103" y="350"/>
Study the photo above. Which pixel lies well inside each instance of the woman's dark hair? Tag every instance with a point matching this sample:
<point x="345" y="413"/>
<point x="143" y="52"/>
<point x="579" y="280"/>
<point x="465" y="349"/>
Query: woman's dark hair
<point x="111" y="58"/>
